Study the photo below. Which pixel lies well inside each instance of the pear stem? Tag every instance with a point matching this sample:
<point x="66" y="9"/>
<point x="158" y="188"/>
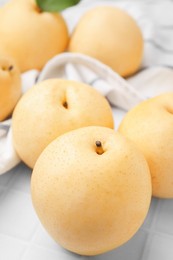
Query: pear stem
<point x="99" y="147"/>
<point x="38" y="9"/>
<point x="65" y="104"/>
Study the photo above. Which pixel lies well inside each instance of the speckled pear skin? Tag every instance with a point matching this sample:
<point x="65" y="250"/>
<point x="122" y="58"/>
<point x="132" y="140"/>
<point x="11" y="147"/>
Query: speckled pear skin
<point x="110" y="35"/>
<point x="150" y="126"/>
<point x="91" y="202"/>
<point x="10" y="86"/>
<point x="51" y="108"/>
<point x="30" y="36"/>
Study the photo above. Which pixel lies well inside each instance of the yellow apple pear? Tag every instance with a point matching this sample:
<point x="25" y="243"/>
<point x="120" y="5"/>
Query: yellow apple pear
<point x="91" y="189"/>
<point x="150" y="126"/>
<point x="51" y="108"/>
<point x="29" y="35"/>
<point x="10" y="86"/>
<point x="110" y="35"/>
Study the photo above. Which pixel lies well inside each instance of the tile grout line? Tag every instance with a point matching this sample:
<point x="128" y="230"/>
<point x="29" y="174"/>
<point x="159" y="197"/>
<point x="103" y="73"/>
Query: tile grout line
<point x="11" y="181"/>
<point x="21" y="240"/>
<point x="159" y="233"/>
<point x="4" y="189"/>
<point x="149" y="231"/>
<point x="30" y="242"/>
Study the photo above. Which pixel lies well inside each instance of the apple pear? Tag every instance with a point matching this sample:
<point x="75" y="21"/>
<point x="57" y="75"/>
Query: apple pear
<point x="150" y="126"/>
<point x="91" y="189"/>
<point x="51" y="108"/>
<point x="110" y="35"/>
<point x="29" y="35"/>
<point x="10" y="86"/>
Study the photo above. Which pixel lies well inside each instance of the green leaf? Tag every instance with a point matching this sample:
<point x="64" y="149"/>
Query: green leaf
<point x="55" y="5"/>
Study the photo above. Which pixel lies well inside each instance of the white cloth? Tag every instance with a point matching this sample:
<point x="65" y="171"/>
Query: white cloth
<point x="122" y="94"/>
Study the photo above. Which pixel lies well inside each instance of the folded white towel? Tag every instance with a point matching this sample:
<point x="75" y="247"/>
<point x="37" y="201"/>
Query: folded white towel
<point x="122" y="94"/>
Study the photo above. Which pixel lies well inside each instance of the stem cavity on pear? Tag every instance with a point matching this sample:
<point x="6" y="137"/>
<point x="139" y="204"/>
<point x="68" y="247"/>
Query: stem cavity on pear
<point x="10" y="68"/>
<point x="38" y="9"/>
<point x="5" y="68"/>
<point x="99" y="147"/>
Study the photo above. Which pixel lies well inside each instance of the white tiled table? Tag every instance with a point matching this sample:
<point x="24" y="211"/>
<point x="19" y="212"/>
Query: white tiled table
<point x="23" y="238"/>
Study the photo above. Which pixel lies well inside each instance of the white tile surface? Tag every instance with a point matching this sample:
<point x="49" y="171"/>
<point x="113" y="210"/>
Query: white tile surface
<point x="21" y="182"/>
<point x="161" y="248"/>
<point x="11" y="248"/>
<point x="38" y="253"/>
<point x="17" y="217"/>
<point x="164" y="221"/>
<point x="6" y="179"/>
<point x="132" y="250"/>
